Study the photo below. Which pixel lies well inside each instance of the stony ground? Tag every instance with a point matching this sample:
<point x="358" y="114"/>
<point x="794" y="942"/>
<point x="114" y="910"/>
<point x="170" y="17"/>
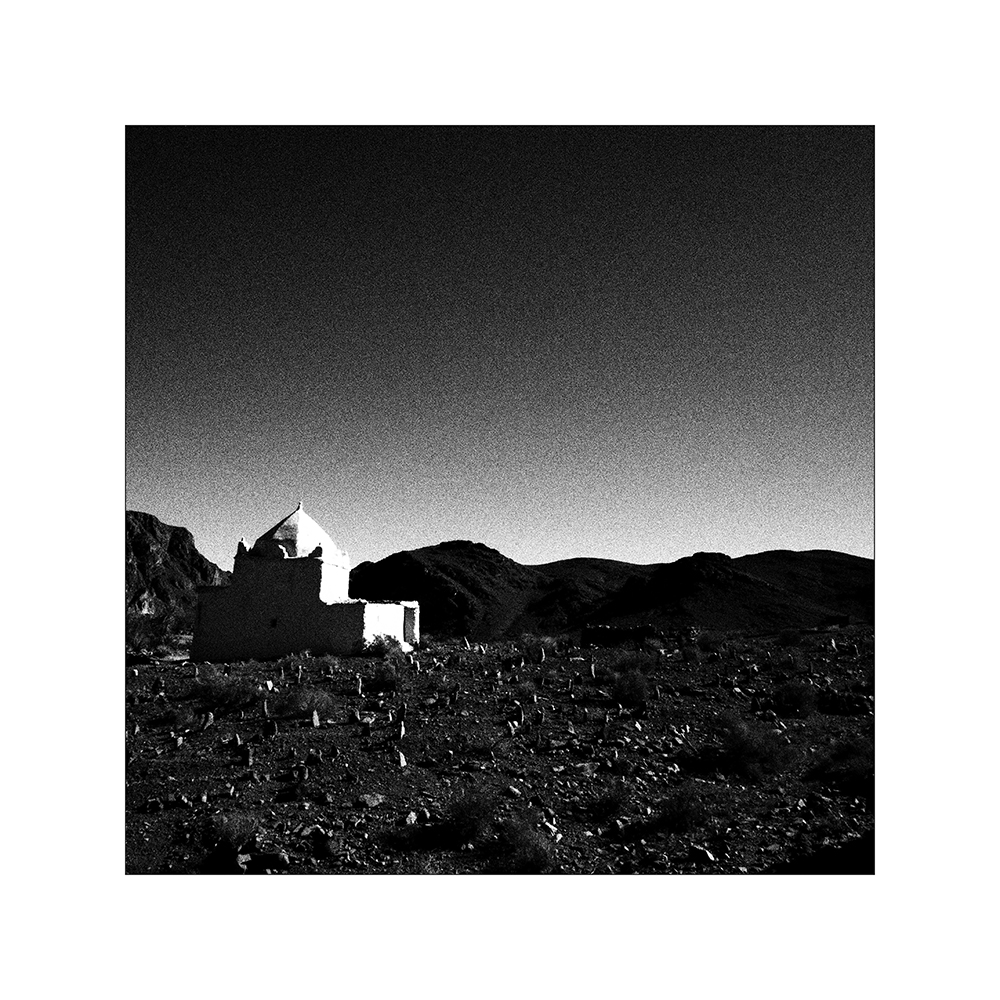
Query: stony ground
<point x="714" y="755"/>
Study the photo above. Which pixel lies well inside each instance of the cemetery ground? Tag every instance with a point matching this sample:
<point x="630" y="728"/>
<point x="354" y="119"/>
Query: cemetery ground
<point x="724" y="754"/>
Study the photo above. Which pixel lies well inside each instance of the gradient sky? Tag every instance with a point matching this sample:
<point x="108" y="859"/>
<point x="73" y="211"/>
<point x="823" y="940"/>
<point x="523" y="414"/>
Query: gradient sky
<point x="627" y="343"/>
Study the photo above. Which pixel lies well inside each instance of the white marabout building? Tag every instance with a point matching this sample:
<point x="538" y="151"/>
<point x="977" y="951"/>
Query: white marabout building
<point x="288" y="593"/>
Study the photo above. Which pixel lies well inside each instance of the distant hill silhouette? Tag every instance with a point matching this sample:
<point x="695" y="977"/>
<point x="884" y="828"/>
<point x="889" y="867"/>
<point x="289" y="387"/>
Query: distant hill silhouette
<point x="467" y="588"/>
<point x="162" y="565"/>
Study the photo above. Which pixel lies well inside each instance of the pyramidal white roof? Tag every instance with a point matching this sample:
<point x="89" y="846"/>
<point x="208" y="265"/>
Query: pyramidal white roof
<point x="298" y="535"/>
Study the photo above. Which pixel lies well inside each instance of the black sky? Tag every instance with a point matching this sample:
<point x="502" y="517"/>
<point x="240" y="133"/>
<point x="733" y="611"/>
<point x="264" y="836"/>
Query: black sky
<point x="632" y="343"/>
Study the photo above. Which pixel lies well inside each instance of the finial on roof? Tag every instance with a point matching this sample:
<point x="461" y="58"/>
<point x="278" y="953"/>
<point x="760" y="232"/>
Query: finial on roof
<point x="299" y="506"/>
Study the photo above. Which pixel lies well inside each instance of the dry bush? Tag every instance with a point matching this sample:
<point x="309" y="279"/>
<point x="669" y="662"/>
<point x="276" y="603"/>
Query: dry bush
<point x="383" y="647"/>
<point x="521" y="849"/>
<point x="470" y="816"/>
<point x="609" y="803"/>
<point x="751" y="750"/>
<point x="383" y="678"/>
<point x="153" y="632"/>
<point x="290" y="664"/>
<point x="302" y="701"/>
<point x="621" y="661"/>
<point x="848" y="766"/>
<point x="711" y="642"/>
<point x="181" y="719"/>
<point x="468" y="819"/>
<point x="233" y="831"/>
<point x="682" y="811"/>
<point x="631" y="689"/>
<point x="794" y="698"/>
<point x="219" y="693"/>
<point x="552" y="644"/>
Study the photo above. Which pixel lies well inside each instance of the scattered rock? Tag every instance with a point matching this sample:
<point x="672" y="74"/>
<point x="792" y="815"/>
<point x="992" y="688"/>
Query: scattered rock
<point x="370" y="800"/>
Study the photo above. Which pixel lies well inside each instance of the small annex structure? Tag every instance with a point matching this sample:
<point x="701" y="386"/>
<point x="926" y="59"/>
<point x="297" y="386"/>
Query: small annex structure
<point x="289" y="593"/>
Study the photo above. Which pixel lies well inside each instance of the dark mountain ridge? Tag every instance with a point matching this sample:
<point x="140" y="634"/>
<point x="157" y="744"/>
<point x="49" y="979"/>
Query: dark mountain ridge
<point x="163" y="567"/>
<point x="467" y="588"/>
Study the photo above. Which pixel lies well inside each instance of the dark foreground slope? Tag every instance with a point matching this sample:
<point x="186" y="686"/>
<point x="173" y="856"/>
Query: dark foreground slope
<point x="753" y="757"/>
<point x="469" y="589"/>
<point x="162" y="565"/>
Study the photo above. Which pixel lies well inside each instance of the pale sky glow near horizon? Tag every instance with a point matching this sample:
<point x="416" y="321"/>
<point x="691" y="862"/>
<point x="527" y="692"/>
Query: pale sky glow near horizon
<point x="632" y="344"/>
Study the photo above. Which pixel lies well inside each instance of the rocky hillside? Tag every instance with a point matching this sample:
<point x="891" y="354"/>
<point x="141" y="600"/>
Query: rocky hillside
<point x="162" y="565"/>
<point x="466" y="588"/>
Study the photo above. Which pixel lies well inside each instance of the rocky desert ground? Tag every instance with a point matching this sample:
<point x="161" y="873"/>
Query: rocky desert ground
<point x="692" y="753"/>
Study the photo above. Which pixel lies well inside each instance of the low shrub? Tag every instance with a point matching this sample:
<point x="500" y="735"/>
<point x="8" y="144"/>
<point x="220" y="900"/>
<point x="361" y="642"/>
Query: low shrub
<point x="848" y="766"/>
<point x="327" y="664"/>
<point x="682" y="811"/>
<point x="609" y="803"/>
<point x="384" y="646"/>
<point x="526" y="692"/>
<point x="233" y="831"/>
<point x="631" y="689"/>
<point x="383" y="678"/>
<point x="751" y="750"/>
<point x="180" y="719"/>
<point x="521" y="849"/>
<point x="552" y="644"/>
<point x="298" y="701"/>
<point x="794" y="698"/>
<point x="151" y="633"/>
<point x="623" y="660"/>
<point x="711" y="642"/>
<point x="219" y="693"/>
<point x="469" y="817"/>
